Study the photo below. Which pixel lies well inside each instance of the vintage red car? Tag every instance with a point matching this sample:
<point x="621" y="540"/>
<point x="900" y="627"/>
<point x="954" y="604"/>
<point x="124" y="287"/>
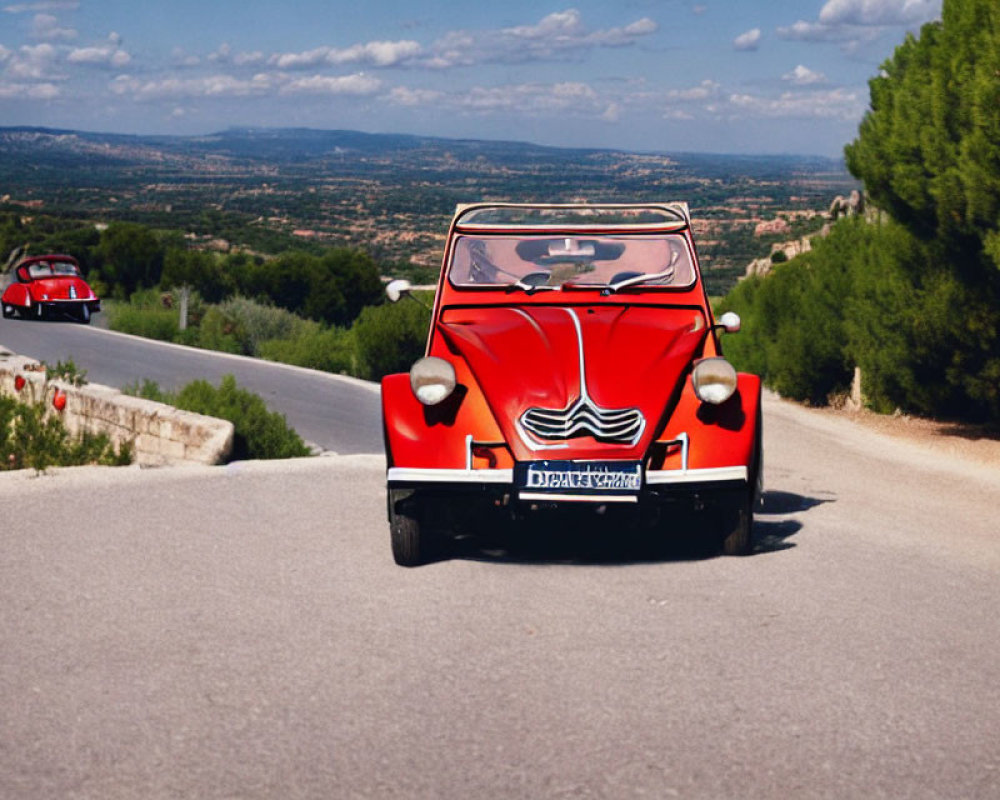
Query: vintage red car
<point x="49" y="286"/>
<point x="573" y="365"/>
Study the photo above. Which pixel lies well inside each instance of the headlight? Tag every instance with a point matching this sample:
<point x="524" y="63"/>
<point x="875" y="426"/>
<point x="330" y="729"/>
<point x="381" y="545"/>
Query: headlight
<point x="714" y="380"/>
<point x="432" y="379"/>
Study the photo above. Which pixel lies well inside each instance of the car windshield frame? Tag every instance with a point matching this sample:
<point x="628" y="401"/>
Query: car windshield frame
<point x="571" y="216"/>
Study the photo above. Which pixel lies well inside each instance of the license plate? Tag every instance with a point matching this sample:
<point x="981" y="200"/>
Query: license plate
<point x="598" y="479"/>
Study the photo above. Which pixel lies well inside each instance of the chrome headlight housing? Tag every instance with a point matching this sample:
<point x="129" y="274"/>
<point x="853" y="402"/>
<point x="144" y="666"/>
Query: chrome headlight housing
<point x="432" y="380"/>
<point x="714" y="380"/>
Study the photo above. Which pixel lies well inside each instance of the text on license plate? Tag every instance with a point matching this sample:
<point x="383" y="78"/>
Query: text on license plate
<point x="585" y="477"/>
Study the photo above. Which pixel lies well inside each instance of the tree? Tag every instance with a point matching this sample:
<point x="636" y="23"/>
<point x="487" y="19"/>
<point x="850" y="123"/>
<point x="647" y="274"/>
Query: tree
<point x="927" y="149"/>
<point x="129" y="257"/>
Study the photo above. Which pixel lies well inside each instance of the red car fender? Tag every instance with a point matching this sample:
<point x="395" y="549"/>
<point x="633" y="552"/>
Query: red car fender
<point x="16" y="294"/>
<point x="718" y="436"/>
<point x="436" y="436"/>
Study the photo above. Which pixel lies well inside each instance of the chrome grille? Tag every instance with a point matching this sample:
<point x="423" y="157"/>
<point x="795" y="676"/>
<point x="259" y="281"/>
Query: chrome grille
<point x="584" y="418"/>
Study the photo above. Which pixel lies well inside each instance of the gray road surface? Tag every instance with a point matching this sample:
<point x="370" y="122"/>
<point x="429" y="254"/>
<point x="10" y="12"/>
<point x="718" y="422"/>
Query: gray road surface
<point x="242" y="632"/>
<point x="334" y="413"/>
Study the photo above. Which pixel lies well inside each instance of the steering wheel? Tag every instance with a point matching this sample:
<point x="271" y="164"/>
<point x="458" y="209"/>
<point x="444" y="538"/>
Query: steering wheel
<point x="535" y="278"/>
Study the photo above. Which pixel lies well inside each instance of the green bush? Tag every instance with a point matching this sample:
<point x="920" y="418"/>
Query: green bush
<point x="30" y="441"/>
<point x="390" y="338"/>
<point x="315" y="347"/>
<point x="259" y="433"/>
<point x="793" y="332"/>
<point x="258" y="322"/>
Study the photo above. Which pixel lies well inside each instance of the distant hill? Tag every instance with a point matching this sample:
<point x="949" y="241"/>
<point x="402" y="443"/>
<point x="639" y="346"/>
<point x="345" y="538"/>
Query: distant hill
<point x="302" y="145"/>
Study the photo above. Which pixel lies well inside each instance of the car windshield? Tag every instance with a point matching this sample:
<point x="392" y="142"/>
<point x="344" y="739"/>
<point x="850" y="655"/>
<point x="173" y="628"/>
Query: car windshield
<point x="557" y="261"/>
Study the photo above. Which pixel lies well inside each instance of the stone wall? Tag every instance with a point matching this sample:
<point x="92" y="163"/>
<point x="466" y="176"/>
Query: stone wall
<point x="159" y="434"/>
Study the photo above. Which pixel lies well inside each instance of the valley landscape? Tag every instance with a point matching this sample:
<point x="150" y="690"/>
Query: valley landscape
<point x="271" y="190"/>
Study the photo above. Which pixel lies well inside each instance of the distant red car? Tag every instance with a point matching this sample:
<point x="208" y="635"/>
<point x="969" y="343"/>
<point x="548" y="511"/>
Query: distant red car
<point x="49" y="286"/>
<point x="573" y="366"/>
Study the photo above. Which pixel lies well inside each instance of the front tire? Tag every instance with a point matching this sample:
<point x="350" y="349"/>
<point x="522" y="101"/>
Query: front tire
<point x="8" y="311"/>
<point x="85" y="314"/>
<point x="738" y="539"/>
<point x="410" y="539"/>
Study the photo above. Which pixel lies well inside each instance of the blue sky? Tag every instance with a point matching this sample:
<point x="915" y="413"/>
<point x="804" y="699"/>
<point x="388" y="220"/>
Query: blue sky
<point x="774" y="76"/>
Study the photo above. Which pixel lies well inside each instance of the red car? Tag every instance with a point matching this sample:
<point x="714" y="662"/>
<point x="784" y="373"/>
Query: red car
<point x="573" y="366"/>
<point x="49" y="286"/>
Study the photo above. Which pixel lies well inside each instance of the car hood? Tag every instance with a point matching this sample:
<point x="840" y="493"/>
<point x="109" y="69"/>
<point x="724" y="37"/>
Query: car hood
<point x="547" y="359"/>
<point x="60" y="288"/>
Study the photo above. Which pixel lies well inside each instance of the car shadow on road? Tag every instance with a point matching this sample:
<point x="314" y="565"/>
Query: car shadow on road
<point x="774" y="524"/>
<point x="603" y="542"/>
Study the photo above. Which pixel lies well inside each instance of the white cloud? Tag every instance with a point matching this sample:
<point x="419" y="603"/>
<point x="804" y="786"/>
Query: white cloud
<point x="208" y="86"/>
<point x="379" y="54"/>
<point x="531" y="99"/>
<point x="855" y="22"/>
<point x="4" y="53"/>
<point x="183" y="59"/>
<point x="699" y="9"/>
<point x="43" y="5"/>
<point x="32" y="62"/>
<point x="803" y="76"/>
<point x="404" y="96"/>
<point x="247" y="59"/>
<point x="29" y="91"/>
<point x="107" y="56"/>
<point x="879" y="12"/>
<point x="359" y="84"/>
<point x="560" y="23"/>
<point x="565" y="29"/>
<point x="46" y="26"/>
<point x="838" y="104"/>
<point x="704" y="90"/>
<point x="678" y="115"/>
<point x="749" y="40"/>
<point x="559" y="35"/>
<point x="221" y="55"/>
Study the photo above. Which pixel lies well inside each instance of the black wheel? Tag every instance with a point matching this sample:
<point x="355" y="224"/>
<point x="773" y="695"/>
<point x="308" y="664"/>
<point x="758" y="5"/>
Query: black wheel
<point x="8" y="311"/>
<point x="738" y="539"/>
<point x="85" y="314"/>
<point x="410" y="541"/>
<point x="738" y="529"/>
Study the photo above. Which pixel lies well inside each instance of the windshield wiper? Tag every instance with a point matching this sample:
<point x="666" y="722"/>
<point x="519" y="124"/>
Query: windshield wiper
<point x="633" y="280"/>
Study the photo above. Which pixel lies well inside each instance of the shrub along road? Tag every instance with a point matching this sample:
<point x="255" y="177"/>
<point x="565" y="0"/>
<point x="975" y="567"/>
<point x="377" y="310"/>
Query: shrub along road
<point x="242" y="632"/>
<point x="330" y="411"/>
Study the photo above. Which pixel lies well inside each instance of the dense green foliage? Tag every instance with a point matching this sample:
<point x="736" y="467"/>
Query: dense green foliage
<point x="29" y="440"/>
<point x="928" y="148"/>
<point x="384" y="339"/>
<point x="912" y="298"/>
<point x="390" y="338"/>
<point x="259" y="433"/>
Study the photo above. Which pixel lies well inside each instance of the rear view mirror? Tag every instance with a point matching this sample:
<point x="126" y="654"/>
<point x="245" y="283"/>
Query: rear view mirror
<point x="730" y="322"/>
<point x="396" y="289"/>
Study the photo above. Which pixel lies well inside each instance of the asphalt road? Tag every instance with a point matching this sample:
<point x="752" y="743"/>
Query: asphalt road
<point x="330" y="411"/>
<point x="242" y="632"/>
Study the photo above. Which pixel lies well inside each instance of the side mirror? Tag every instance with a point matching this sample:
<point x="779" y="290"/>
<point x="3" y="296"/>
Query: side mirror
<point x="730" y="322"/>
<point x="396" y="289"/>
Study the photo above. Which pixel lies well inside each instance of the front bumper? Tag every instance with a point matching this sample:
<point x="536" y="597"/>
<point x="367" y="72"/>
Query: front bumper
<point x="500" y="482"/>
